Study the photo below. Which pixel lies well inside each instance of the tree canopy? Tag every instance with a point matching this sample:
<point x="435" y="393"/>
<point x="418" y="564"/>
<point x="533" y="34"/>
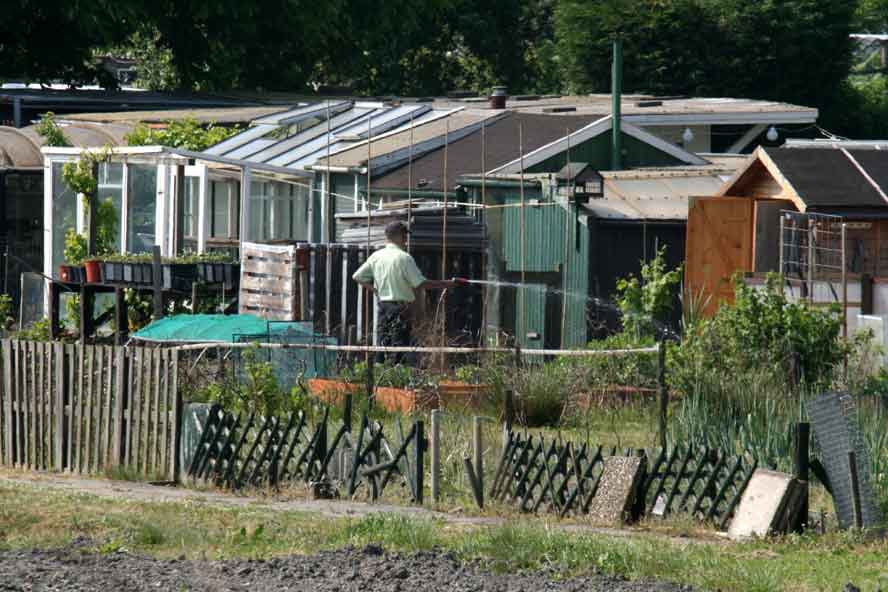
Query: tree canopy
<point x="791" y="50"/>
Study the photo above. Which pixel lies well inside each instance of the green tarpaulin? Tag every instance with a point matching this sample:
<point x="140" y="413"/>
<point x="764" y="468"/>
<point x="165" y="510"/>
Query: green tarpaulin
<point x="208" y="328"/>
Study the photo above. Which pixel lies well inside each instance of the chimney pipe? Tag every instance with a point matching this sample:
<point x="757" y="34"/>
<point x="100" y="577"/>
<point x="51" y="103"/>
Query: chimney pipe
<point x="498" y="97"/>
<point x="616" y="106"/>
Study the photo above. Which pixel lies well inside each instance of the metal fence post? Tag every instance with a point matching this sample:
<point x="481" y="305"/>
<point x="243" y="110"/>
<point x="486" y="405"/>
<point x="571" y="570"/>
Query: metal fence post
<point x="663" y="391"/>
<point x="436" y="455"/>
<point x="478" y="448"/>
<point x="800" y="470"/>
<point x="855" y="489"/>
<point x="418" y="451"/>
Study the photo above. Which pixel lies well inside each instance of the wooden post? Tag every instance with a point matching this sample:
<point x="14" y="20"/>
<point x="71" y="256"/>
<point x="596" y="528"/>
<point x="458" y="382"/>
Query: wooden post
<point x="8" y="395"/>
<point x="121" y="317"/>
<point x="61" y="443"/>
<point x="478" y="449"/>
<point x="54" y="289"/>
<point x="855" y="489"/>
<point x="418" y="451"/>
<point x="194" y="297"/>
<point x="86" y="312"/>
<point x="508" y="414"/>
<point x="663" y="391"/>
<point x="370" y="380"/>
<point x="176" y="432"/>
<point x="156" y="271"/>
<point x="347" y="412"/>
<point x="436" y="455"/>
<point x="801" y="470"/>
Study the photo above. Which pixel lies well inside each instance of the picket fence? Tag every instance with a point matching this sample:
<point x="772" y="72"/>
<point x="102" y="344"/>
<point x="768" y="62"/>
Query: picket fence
<point x="89" y="408"/>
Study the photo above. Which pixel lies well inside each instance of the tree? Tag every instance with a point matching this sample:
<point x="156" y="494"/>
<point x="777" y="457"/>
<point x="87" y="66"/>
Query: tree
<point x="43" y="41"/>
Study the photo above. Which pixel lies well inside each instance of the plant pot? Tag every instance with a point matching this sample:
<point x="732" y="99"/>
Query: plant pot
<point x="93" y="271"/>
<point x="65" y="274"/>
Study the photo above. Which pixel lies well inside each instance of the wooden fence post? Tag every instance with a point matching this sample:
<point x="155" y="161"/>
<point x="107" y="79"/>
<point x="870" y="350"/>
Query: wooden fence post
<point x="177" y="419"/>
<point x="61" y="439"/>
<point x="478" y="448"/>
<point x="855" y="489"/>
<point x="157" y="281"/>
<point x="120" y="395"/>
<point x="8" y="369"/>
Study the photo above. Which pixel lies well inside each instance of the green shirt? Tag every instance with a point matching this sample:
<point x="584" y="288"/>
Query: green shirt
<point x="393" y="273"/>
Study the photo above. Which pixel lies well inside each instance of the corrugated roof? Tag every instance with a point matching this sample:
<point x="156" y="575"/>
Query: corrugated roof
<point x="464" y="155"/>
<point x="20" y="148"/>
<point x="650" y="195"/>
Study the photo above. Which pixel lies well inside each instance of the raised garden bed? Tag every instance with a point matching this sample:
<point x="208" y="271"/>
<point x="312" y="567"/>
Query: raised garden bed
<point x="449" y="394"/>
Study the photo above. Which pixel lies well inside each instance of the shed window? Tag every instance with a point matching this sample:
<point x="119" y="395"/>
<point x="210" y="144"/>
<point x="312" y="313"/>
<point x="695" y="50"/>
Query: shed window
<point x="141" y="213"/>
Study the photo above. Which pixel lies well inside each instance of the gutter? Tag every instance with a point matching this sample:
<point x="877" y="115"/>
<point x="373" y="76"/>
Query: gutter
<point x="501" y="183"/>
<point x="412" y="193"/>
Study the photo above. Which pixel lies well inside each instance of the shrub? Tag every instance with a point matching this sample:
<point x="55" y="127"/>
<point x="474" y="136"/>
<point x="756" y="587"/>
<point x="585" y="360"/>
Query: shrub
<point x="644" y="304"/>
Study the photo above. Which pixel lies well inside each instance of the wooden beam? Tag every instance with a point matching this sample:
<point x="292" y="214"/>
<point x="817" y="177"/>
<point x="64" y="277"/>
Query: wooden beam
<point x="750" y="135"/>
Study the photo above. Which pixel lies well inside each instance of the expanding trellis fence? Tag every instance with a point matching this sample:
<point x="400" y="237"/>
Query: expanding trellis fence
<point x="88" y="408"/>
<point x="237" y="451"/>
<point x="564" y="477"/>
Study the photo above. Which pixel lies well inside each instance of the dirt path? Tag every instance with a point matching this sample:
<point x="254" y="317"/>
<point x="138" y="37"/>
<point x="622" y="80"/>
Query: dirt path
<point x="75" y="568"/>
<point x="333" y="508"/>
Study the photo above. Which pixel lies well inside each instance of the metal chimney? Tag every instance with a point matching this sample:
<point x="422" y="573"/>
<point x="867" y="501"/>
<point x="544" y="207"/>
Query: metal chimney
<point x="498" y="97"/>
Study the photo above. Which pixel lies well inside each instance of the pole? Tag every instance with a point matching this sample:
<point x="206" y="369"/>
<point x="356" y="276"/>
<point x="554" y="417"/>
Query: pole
<point x="443" y="305"/>
<point x="567" y="207"/>
<point x="844" y="289"/>
<point x="436" y="455"/>
<point x="418" y="451"/>
<point x="410" y="182"/>
<point x="368" y="295"/>
<point x="478" y="449"/>
<point x="782" y="226"/>
<point x="522" y="332"/>
<point x="156" y="270"/>
<point x="801" y="469"/>
<point x="616" y="106"/>
<point x="327" y="208"/>
<point x="664" y="391"/>
<point x="482" y="337"/>
<point x="810" y="263"/>
<point x="855" y="489"/>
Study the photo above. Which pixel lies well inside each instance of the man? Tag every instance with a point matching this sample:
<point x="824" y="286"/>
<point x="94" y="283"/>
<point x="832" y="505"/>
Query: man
<point x="392" y="274"/>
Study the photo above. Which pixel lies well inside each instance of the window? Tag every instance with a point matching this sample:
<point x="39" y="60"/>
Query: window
<point x="141" y="213"/>
<point x="111" y="187"/>
<point x="64" y="214"/>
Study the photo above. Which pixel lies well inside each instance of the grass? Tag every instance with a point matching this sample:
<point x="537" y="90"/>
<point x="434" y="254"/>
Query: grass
<point x="35" y="517"/>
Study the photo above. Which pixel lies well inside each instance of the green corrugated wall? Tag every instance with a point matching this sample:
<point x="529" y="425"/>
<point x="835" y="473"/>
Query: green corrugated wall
<point x="596" y="152"/>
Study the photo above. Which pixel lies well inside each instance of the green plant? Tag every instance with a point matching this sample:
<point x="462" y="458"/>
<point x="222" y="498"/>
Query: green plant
<point x="50" y="131"/>
<point x="186" y="133"/>
<point x="75" y="252"/>
<point x="645" y="303"/>
<point x="37" y="331"/>
<point x="7" y="319"/>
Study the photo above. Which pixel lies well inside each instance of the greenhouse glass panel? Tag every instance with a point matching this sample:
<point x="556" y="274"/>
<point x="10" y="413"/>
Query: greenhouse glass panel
<point x="64" y="214"/>
<point x="111" y="187"/>
<point x="141" y="207"/>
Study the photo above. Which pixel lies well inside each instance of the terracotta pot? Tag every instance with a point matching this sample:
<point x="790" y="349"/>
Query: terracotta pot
<point x="93" y="272"/>
<point x="66" y="273"/>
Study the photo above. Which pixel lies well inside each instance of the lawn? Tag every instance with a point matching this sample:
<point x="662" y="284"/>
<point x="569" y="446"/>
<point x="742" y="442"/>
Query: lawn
<point x="35" y="517"/>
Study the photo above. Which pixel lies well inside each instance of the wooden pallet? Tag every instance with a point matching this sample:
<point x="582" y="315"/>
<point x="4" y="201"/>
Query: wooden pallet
<point x="270" y="286"/>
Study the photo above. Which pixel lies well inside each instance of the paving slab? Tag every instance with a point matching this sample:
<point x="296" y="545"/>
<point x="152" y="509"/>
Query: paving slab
<point x="767" y="503"/>
<point x="616" y="491"/>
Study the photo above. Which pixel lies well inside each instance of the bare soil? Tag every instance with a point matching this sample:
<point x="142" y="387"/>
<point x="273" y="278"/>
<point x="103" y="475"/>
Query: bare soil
<point x="79" y="568"/>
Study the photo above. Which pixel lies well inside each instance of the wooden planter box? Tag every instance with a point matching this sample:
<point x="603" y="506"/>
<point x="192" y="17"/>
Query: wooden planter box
<point x="332" y="391"/>
<point x="395" y="400"/>
<point x="462" y="395"/>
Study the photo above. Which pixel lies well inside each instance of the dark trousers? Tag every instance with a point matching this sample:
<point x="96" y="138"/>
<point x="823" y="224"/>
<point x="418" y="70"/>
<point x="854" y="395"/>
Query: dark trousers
<point x="394" y="330"/>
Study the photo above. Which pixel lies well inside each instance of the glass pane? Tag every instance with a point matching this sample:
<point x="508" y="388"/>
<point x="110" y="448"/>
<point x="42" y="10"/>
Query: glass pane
<point x="189" y="211"/>
<point x="141" y="213"/>
<point x="219" y="207"/>
<point x="111" y="187"/>
<point x="64" y="215"/>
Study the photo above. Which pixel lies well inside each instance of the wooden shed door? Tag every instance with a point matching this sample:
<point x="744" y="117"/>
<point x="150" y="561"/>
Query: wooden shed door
<point x="719" y="244"/>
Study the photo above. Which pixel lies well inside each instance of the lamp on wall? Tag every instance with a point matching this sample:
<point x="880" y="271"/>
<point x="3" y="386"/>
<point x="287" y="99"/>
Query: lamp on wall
<point x="687" y="136"/>
<point x="772" y="134"/>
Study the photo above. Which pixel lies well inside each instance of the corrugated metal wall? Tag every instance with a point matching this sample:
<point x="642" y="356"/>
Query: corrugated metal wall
<point x="543" y="238"/>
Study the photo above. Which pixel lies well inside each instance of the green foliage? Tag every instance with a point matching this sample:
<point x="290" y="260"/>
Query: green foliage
<point x="139" y="308"/>
<point x="38" y="331"/>
<point x="645" y="303"/>
<point x="185" y="133"/>
<point x="76" y="244"/>
<point x="75" y="248"/>
<point x="50" y="131"/>
<point x="7" y="318"/>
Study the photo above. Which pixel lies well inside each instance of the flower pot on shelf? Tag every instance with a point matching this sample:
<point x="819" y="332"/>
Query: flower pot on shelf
<point x="93" y="271"/>
<point x="65" y="274"/>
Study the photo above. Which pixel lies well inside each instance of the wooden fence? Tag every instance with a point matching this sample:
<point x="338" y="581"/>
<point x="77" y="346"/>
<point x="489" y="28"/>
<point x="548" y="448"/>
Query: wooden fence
<point x="88" y="408"/>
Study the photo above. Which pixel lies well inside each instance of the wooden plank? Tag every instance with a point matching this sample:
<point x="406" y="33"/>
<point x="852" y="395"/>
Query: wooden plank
<point x="77" y="440"/>
<point x="21" y="417"/>
<point x="117" y="436"/>
<point x="6" y="350"/>
<point x="37" y="393"/>
<point x="145" y="419"/>
<point x="156" y="429"/>
<point x="128" y="412"/>
<point x="272" y="284"/>
<point x="88" y="410"/>
<point x="177" y="418"/>
<point x="163" y="430"/>
<point x="71" y="355"/>
<point x="44" y="389"/>
<point x="250" y="254"/>
<point x="108" y="408"/>
<point x="100" y="397"/>
<point x="60" y="406"/>
<point x="278" y="302"/>
<point x="136" y="409"/>
<point x="31" y="365"/>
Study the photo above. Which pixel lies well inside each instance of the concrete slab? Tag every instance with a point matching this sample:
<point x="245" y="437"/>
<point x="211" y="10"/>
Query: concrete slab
<point x="616" y="492"/>
<point x="767" y="505"/>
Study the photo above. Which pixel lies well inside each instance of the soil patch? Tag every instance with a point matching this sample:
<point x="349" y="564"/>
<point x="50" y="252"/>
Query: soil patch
<point x="78" y="567"/>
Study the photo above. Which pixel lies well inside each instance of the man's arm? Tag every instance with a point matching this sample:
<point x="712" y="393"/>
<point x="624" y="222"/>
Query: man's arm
<point x="364" y="275"/>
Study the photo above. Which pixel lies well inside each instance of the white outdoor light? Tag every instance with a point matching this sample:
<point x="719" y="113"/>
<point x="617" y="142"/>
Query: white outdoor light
<point x="687" y="136"/>
<point x="772" y="134"/>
